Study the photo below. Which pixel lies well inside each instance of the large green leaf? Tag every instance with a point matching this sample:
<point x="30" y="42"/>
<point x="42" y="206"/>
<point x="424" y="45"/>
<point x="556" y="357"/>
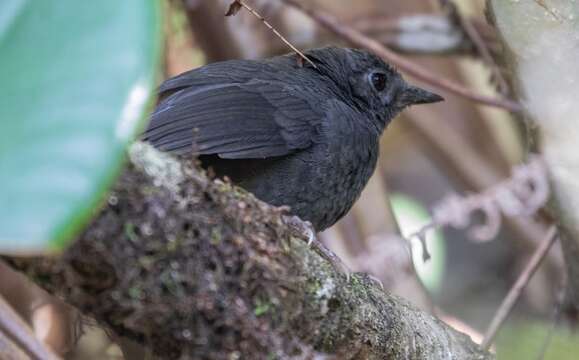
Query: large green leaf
<point x="75" y="81"/>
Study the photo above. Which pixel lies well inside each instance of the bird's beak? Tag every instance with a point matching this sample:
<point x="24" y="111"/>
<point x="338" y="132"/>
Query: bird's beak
<point x="413" y="95"/>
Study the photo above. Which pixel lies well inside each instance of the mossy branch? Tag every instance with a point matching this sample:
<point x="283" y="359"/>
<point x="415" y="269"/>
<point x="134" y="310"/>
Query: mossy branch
<point x="195" y="268"/>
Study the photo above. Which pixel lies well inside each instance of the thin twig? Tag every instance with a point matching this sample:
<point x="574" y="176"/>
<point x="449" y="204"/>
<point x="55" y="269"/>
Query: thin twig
<point x="517" y="289"/>
<point x="472" y="33"/>
<point x="12" y="325"/>
<point x="357" y="38"/>
<point x="234" y="8"/>
<point x="421" y="236"/>
<point x="557" y="312"/>
<point x="542" y="4"/>
<point x="485" y="53"/>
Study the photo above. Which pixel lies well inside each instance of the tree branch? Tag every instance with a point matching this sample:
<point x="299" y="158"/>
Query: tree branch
<point x="23" y="339"/>
<point x="198" y="268"/>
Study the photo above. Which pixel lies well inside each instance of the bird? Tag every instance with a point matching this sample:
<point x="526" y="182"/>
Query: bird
<point x="292" y="133"/>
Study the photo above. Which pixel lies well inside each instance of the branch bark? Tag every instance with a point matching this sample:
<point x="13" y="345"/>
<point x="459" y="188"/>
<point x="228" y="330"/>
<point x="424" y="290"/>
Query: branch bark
<point x="198" y="268"/>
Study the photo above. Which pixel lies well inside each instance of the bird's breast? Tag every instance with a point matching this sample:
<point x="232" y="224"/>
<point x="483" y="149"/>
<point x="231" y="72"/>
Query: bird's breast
<point x="335" y="183"/>
<point x="320" y="184"/>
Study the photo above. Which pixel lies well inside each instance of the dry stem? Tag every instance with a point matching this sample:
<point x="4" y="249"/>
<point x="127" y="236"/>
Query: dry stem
<point x="517" y="289"/>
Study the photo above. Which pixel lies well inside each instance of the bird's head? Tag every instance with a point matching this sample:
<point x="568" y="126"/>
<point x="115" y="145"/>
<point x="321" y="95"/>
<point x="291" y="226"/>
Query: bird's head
<point x="374" y="85"/>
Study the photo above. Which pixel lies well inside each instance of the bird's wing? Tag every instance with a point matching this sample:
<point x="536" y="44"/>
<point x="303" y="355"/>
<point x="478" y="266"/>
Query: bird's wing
<point x="238" y="114"/>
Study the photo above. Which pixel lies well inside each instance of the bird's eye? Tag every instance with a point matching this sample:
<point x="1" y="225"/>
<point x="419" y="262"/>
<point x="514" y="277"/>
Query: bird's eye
<point x="378" y="81"/>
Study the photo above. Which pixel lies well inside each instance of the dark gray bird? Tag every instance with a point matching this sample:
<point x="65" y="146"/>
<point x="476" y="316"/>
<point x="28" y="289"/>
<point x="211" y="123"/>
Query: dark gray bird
<point x="289" y="133"/>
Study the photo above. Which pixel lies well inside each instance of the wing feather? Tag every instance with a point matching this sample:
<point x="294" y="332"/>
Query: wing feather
<point x="244" y="118"/>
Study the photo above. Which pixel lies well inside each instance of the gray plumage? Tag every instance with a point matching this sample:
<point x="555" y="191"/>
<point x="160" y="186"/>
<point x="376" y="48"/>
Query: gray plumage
<point x="290" y="133"/>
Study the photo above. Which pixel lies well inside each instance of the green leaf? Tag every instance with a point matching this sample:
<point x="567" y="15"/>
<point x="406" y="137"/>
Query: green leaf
<point x="76" y="79"/>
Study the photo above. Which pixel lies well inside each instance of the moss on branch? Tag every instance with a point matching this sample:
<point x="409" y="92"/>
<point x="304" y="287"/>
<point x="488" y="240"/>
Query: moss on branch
<point x="195" y="268"/>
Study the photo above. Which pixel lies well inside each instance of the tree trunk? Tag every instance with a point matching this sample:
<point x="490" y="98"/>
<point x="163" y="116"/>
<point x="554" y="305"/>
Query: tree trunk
<point x="542" y="53"/>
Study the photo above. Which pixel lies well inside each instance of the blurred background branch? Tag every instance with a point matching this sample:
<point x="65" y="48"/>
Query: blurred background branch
<point x="19" y="338"/>
<point x="358" y="39"/>
<point x="218" y="42"/>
